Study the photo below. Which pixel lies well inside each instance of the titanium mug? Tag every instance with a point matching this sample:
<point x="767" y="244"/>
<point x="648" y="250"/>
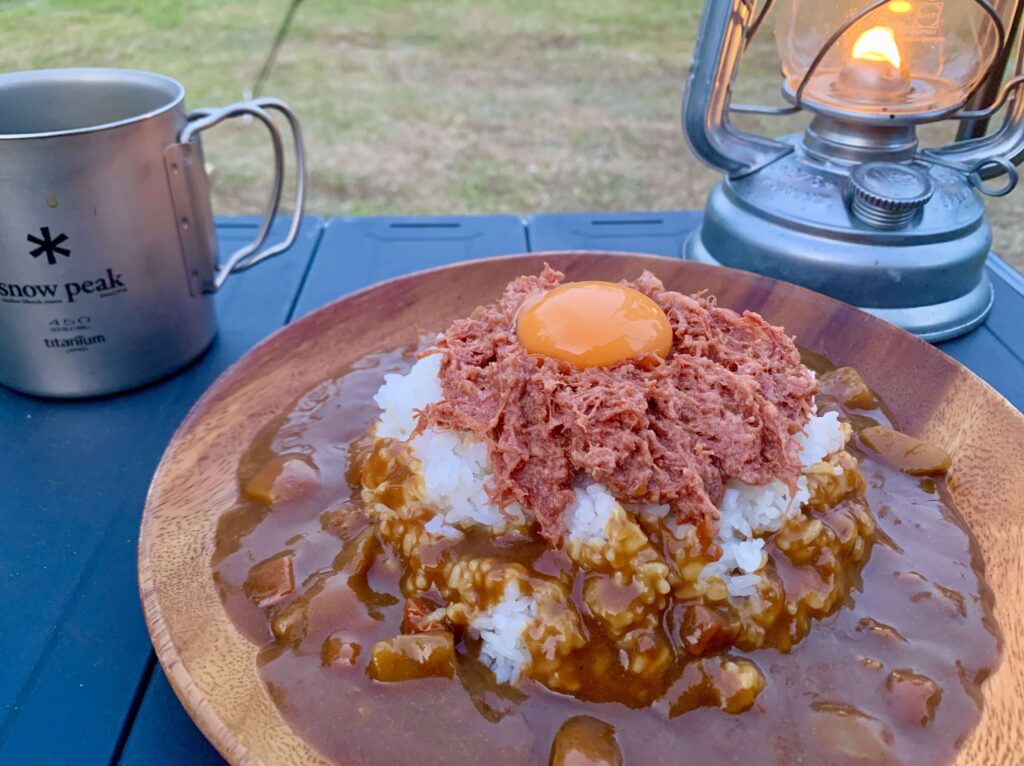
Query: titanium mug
<point x="108" y="255"/>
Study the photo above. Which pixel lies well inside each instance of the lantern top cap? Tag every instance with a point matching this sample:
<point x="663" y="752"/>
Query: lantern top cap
<point x="887" y="195"/>
<point x="892" y="185"/>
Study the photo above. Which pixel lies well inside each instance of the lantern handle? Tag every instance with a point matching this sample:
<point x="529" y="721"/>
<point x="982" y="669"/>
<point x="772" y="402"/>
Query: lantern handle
<point x="724" y="27"/>
<point x="980" y="114"/>
<point x="757" y="22"/>
<point x="994" y="168"/>
<point x="986" y="157"/>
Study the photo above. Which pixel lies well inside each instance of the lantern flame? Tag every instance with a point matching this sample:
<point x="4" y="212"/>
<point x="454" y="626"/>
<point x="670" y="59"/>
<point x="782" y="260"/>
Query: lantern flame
<point x="878" y="44"/>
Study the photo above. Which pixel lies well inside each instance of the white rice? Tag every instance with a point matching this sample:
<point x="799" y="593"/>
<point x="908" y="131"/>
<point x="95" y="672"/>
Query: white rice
<point x="501" y="630"/>
<point x="454" y="466"/>
<point x="402" y="395"/>
<point x="822" y="436"/>
<point x="757" y="510"/>
<point x="656" y="511"/>
<point x="587" y="518"/>
<point x="455" y="472"/>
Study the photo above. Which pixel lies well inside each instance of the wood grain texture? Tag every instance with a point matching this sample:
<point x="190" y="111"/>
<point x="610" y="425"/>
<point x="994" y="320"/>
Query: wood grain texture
<point x="212" y="667"/>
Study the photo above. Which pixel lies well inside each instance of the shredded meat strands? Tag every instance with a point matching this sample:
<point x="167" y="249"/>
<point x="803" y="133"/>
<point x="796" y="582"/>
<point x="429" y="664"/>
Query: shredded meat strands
<point x="725" y="404"/>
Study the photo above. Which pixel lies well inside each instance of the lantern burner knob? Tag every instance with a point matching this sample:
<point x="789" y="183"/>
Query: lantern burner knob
<point x="886" y="195"/>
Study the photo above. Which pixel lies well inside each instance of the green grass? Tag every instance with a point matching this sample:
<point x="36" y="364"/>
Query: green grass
<point x="430" y="106"/>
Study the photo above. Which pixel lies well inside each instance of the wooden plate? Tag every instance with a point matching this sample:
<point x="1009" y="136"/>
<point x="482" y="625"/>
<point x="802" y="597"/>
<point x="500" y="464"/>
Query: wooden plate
<point x="212" y="667"/>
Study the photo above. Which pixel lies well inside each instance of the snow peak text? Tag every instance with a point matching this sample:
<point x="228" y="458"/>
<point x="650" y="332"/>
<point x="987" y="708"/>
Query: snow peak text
<point x="105" y="285"/>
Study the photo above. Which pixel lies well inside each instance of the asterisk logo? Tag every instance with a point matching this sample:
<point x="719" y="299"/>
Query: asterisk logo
<point x="51" y="247"/>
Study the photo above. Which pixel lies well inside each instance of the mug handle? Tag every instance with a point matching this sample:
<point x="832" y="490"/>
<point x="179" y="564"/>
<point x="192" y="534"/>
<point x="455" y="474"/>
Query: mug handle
<point x="249" y="255"/>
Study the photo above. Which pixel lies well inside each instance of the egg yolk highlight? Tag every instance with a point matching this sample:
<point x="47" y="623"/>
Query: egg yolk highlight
<point x="594" y="324"/>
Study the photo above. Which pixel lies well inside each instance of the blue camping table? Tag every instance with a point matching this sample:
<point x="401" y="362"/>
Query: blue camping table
<point x="78" y="679"/>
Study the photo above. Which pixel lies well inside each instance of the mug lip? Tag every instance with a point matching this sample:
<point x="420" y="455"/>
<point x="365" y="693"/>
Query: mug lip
<point x="71" y="73"/>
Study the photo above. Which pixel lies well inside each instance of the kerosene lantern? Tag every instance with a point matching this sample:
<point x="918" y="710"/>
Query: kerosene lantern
<point x="854" y="207"/>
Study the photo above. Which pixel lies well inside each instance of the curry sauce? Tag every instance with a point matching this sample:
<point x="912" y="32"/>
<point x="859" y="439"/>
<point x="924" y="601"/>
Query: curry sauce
<point x="880" y="661"/>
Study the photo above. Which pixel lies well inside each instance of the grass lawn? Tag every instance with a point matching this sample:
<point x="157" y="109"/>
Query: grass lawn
<point x="431" y="106"/>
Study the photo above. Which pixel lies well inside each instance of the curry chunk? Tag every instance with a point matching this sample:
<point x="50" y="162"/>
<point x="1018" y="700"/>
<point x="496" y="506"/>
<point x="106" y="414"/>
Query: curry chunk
<point x="283" y="478"/>
<point x="738" y="682"/>
<point x="730" y="684"/>
<point x="325" y="606"/>
<point x="916" y="696"/>
<point x="345" y="520"/>
<point x="848" y="388"/>
<point x="846" y="733"/>
<point x="614" y="600"/>
<point x="422" y="615"/>
<point x="339" y="651"/>
<point x="905" y="453"/>
<point x="585" y="741"/>
<point x="423" y="655"/>
<point x="704" y="630"/>
<point x="271" y="580"/>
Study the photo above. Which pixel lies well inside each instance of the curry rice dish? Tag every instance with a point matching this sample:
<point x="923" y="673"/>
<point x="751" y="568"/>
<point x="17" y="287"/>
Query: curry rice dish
<point x="600" y="523"/>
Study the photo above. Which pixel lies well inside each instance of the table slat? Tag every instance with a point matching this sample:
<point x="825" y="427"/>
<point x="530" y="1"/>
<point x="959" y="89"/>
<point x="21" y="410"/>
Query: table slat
<point x="658" y="233"/>
<point x="1007" y="318"/>
<point x="74" y="476"/>
<point x="988" y="356"/>
<point x="357" y="252"/>
<point x="164" y="734"/>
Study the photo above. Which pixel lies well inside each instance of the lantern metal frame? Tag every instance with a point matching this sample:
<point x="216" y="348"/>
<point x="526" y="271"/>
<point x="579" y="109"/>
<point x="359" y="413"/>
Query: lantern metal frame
<point x="927" y="274"/>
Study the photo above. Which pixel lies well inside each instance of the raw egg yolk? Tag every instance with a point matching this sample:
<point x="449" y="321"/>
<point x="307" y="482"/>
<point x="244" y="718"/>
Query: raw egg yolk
<point x="594" y="324"/>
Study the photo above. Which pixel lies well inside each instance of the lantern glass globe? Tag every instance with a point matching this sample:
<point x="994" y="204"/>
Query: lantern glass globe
<point x="914" y="59"/>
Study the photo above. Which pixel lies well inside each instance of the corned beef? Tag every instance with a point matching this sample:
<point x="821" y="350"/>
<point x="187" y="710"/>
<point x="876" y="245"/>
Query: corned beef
<point x="725" y="403"/>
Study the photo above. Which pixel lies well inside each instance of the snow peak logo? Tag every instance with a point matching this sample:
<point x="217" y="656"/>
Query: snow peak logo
<point x="49" y="245"/>
<point x="55" y="292"/>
